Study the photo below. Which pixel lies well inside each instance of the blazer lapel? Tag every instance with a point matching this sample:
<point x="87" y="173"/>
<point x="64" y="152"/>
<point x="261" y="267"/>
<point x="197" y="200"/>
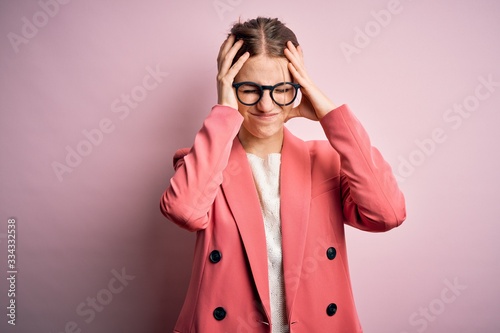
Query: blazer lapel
<point x="243" y="200"/>
<point x="295" y="189"/>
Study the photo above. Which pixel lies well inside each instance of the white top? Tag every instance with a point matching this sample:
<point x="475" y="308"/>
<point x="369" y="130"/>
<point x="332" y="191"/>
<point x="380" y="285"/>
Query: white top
<point x="266" y="174"/>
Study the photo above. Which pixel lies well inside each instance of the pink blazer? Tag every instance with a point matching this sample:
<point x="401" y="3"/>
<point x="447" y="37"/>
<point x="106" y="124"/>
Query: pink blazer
<point x="324" y="185"/>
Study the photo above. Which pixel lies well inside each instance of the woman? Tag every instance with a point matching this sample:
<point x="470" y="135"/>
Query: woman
<point x="269" y="209"/>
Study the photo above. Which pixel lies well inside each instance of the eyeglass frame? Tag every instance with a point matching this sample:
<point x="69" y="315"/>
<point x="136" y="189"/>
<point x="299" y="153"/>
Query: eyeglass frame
<point x="266" y="87"/>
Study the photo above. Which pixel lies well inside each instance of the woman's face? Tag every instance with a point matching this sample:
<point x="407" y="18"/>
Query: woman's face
<point x="265" y="119"/>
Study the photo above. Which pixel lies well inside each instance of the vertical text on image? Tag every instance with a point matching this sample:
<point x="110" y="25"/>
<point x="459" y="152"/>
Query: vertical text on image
<point x="11" y="270"/>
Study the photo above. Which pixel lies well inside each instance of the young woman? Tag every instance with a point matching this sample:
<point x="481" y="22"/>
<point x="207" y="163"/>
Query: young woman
<point x="269" y="209"/>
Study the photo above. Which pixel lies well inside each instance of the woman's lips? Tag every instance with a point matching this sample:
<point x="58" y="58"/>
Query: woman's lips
<point x="264" y="116"/>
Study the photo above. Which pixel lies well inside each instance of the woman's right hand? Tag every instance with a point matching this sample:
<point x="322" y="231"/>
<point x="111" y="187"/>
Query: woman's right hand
<point x="226" y="73"/>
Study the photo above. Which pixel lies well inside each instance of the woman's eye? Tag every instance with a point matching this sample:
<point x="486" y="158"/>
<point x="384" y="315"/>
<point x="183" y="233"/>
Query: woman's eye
<point x="281" y="91"/>
<point x="250" y="91"/>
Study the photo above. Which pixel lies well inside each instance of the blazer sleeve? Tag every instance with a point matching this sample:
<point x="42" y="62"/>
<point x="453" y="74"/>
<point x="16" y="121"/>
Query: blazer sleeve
<point x="371" y="197"/>
<point x="198" y="171"/>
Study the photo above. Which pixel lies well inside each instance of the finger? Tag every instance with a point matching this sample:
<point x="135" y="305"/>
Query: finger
<point x="233" y="71"/>
<point x="224" y="49"/>
<point x="302" y="79"/>
<point x="296" y="64"/>
<point x="227" y="59"/>
<point x="292" y="62"/>
<point x="225" y="46"/>
<point x="295" y="74"/>
<point x="297" y="69"/>
<point x="293" y="57"/>
<point x="301" y="51"/>
<point x="298" y="54"/>
<point x="293" y="50"/>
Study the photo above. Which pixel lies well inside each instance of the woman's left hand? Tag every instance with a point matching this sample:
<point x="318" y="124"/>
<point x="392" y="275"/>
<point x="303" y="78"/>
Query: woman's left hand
<point x="314" y="104"/>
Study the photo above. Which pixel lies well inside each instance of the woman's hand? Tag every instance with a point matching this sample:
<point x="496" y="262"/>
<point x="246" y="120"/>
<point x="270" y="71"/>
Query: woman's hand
<point x="225" y="77"/>
<point x="314" y="104"/>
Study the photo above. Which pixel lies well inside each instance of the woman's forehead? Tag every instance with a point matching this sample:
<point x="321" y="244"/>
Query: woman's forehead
<point x="264" y="70"/>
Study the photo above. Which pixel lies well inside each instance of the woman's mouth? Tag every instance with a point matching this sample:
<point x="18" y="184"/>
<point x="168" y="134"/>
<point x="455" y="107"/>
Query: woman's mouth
<point x="264" y="116"/>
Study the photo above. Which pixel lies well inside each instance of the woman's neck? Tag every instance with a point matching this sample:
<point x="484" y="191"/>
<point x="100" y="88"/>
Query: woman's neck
<point x="261" y="146"/>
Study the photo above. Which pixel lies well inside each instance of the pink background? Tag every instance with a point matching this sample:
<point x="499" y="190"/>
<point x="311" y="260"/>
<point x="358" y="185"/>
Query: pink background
<point x="77" y="231"/>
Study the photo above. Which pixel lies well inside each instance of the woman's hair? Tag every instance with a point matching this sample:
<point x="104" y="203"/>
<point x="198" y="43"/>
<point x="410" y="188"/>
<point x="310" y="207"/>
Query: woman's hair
<point x="263" y="36"/>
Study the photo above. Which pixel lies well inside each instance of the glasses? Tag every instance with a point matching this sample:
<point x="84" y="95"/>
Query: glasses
<point x="250" y="93"/>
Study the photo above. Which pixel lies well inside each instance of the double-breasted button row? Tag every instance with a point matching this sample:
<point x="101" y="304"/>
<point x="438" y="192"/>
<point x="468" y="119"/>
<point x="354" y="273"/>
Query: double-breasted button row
<point x="331" y="309"/>
<point x="215" y="256"/>
<point x="219" y="313"/>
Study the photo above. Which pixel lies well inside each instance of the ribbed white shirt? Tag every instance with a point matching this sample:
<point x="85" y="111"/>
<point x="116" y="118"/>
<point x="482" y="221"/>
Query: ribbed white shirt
<point x="266" y="174"/>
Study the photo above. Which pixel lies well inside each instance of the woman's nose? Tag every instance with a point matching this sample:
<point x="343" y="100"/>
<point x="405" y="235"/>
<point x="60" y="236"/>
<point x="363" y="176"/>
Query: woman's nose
<point x="266" y="103"/>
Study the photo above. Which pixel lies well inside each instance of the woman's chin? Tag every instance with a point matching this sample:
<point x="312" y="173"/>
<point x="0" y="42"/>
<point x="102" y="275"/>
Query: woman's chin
<point x="266" y="132"/>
